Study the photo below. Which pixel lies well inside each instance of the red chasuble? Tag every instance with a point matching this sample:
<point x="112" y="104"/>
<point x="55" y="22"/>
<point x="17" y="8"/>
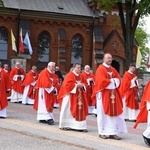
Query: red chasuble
<point x="16" y="85"/>
<point x="111" y="99"/>
<point x="78" y="101"/>
<point x="130" y="93"/>
<point x="5" y="84"/>
<point x="143" y="114"/>
<point x="30" y="77"/>
<point x="89" y="88"/>
<point x="45" y="80"/>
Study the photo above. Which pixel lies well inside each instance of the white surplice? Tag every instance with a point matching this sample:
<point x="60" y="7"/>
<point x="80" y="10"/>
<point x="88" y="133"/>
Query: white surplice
<point x="66" y="119"/>
<point x="42" y="113"/>
<point x="109" y="125"/>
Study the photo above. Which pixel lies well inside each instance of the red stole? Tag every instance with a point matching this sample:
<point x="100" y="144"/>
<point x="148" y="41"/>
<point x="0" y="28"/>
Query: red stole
<point x="111" y="99"/>
<point x="79" y="107"/>
<point x="89" y="88"/>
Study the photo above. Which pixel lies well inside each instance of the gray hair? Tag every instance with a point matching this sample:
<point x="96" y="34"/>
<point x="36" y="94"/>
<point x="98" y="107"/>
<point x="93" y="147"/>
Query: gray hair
<point x="51" y="63"/>
<point x="86" y="66"/>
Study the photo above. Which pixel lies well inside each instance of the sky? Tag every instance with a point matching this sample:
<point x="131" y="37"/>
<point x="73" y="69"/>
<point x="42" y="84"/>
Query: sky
<point x="147" y="19"/>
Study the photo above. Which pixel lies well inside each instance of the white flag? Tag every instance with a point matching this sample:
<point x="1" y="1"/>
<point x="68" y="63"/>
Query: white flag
<point x="27" y="43"/>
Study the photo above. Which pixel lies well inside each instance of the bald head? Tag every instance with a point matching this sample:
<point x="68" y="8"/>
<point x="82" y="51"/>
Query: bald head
<point x="17" y="65"/>
<point x="34" y="68"/>
<point x="107" y="59"/>
<point x="57" y="68"/>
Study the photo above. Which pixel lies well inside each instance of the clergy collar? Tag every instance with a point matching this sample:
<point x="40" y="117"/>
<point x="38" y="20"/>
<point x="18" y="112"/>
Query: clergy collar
<point x="87" y="72"/>
<point x="75" y="73"/>
<point x="130" y="72"/>
<point x="6" y="70"/>
<point x="49" y="70"/>
<point x="33" y="71"/>
<point x="107" y="66"/>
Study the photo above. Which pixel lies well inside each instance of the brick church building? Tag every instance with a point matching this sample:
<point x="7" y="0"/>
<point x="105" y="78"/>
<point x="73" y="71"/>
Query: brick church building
<point x="63" y="31"/>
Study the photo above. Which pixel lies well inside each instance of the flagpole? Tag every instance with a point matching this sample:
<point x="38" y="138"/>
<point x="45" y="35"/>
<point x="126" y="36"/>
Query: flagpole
<point x="18" y="31"/>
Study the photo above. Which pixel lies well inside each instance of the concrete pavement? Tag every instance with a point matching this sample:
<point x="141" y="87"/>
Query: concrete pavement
<point x="21" y="130"/>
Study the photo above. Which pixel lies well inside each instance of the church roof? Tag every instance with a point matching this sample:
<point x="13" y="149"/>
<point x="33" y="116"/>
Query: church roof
<point x="69" y="7"/>
<point x="111" y="36"/>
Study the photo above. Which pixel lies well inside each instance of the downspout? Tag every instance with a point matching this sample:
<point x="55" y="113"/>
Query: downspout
<point x="92" y="30"/>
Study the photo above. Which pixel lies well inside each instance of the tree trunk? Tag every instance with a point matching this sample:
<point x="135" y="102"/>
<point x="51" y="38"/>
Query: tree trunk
<point x="126" y="24"/>
<point x="128" y="38"/>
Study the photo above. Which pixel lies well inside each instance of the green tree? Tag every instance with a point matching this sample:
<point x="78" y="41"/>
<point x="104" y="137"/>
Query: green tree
<point x="133" y="10"/>
<point x="1" y="3"/>
<point x="142" y="38"/>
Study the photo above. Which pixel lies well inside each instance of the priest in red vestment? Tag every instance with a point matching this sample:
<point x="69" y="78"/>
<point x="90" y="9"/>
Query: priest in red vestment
<point x="129" y="94"/>
<point x="72" y="97"/>
<point x="17" y="76"/>
<point x="110" y="119"/>
<point x="88" y="79"/>
<point x="144" y="114"/>
<point x="7" y="70"/>
<point x="5" y="86"/>
<point x="57" y="83"/>
<point x="29" y="86"/>
<point x="45" y="95"/>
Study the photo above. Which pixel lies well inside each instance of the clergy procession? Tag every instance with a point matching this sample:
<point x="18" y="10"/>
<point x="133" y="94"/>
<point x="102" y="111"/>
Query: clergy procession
<point x="111" y="99"/>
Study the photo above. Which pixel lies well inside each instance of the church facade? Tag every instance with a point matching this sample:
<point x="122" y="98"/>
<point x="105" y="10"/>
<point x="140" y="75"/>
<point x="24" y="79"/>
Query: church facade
<point x="65" y="32"/>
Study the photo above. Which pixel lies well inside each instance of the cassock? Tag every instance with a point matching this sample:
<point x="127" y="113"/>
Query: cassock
<point x="17" y="76"/>
<point x="44" y="100"/>
<point x="110" y="119"/>
<point x="5" y="86"/>
<point x="88" y="79"/>
<point x="57" y="85"/>
<point x="29" y="87"/>
<point x="129" y="94"/>
<point x="74" y="106"/>
<point x="9" y="91"/>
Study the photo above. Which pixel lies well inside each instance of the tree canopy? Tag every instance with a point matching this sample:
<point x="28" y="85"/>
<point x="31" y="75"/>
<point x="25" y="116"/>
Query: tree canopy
<point x="1" y="3"/>
<point x="142" y="38"/>
<point x="130" y="11"/>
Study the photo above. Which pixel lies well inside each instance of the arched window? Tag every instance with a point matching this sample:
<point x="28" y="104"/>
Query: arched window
<point x="77" y="46"/>
<point x="3" y="43"/>
<point x="44" y="47"/>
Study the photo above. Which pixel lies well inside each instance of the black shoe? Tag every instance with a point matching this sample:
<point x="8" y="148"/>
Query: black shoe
<point x="50" y="121"/>
<point x="126" y="119"/>
<point x="103" y="136"/>
<point x="65" y="128"/>
<point x="43" y="121"/>
<point x="132" y="120"/>
<point x="146" y="140"/>
<point x="85" y="130"/>
<point x="2" y="117"/>
<point x="115" y="137"/>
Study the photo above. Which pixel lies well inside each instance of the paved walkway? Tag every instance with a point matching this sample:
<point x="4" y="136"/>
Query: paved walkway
<point x="21" y="131"/>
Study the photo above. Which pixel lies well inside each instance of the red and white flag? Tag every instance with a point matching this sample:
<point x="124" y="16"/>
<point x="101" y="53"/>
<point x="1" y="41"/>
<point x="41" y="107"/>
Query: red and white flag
<point x="148" y="61"/>
<point x="21" y="46"/>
